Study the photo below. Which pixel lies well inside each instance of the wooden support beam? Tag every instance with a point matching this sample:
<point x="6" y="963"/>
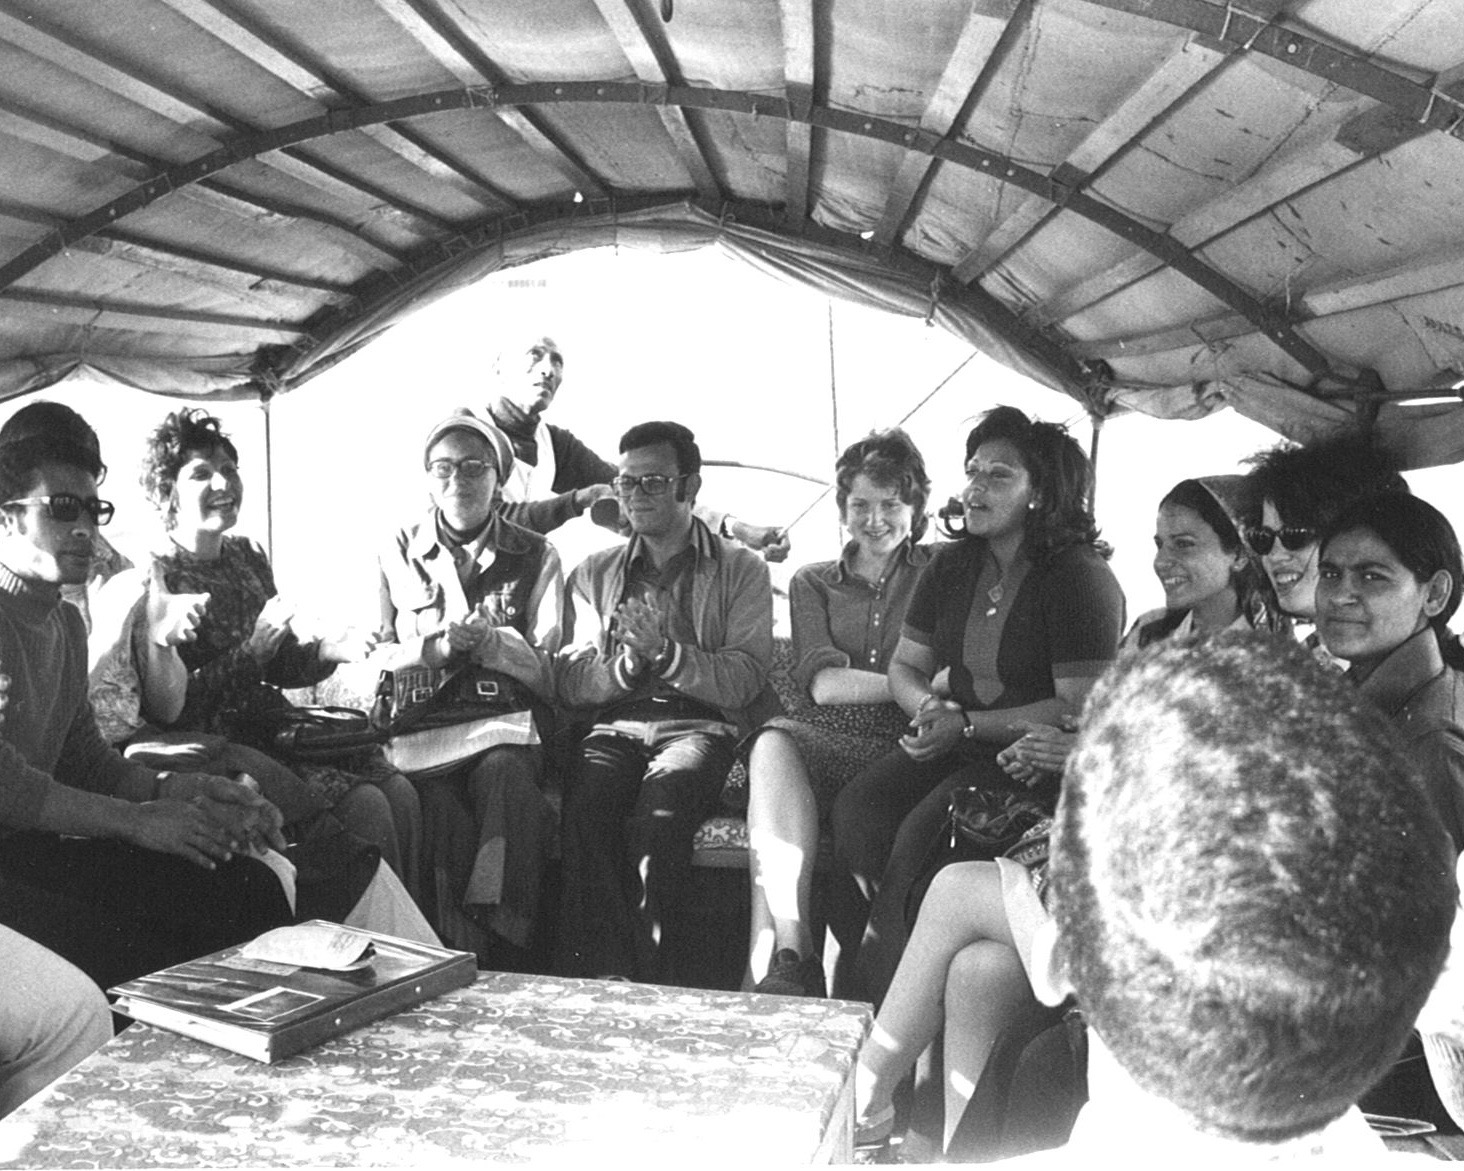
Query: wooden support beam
<point x="1166" y="86"/>
<point x="53" y="44"/>
<point x="988" y="23"/>
<point x="798" y="82"/>
<point x="101" y="315"/>
<point x="651" y="58"/>
<point x="439" y="35"/>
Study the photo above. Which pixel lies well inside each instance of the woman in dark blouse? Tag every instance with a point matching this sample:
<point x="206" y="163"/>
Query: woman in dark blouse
<point x="245" y="649"/>
<point x="1010" y="624"/>
<point x="846" y="617"/>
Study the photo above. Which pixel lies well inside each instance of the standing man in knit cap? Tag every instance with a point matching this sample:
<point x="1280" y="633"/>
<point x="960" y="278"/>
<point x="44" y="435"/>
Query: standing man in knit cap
<point x="556" y="477"/>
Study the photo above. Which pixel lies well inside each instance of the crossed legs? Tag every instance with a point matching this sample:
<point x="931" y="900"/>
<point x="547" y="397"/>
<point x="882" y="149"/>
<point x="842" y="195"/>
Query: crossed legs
<point x="960" y="970"/>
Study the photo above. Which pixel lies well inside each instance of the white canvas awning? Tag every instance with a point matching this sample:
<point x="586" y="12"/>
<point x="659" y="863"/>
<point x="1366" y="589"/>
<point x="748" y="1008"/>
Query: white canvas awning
<point x="1166" y="206"/>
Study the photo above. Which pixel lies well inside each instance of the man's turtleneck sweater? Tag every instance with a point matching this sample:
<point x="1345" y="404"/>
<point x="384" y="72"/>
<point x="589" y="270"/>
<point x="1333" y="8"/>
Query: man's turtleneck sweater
<point x="49" y="735"/>
<point x="520" y="427"/>
<point x="575" y="467"/>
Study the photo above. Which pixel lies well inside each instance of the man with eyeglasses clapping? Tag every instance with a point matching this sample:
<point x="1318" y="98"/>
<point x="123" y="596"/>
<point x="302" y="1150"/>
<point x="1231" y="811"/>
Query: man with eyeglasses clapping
<point x="669" y="640"/>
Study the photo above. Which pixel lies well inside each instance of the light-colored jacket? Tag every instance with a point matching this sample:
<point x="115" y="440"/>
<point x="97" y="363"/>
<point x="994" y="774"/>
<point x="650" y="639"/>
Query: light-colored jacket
<point x="519" y="590"/>
<point x="732" y="614"/>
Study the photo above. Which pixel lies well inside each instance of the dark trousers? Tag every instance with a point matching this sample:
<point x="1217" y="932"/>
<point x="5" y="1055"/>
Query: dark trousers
<point x="118" y="911"/>
<point x="630" y="812"/>
<point x="886" y="824"/>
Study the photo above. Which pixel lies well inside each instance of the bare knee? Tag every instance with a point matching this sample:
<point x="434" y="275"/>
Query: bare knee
<point x="967" y="893"/>
<point x="986" y="978"/>
<point x="772" y="753"/>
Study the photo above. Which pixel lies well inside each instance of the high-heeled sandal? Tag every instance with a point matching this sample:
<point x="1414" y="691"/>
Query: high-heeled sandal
<point x="874" y="1130"/>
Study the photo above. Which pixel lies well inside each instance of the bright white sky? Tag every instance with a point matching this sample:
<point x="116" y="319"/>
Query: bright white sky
<point x="752" y="365"/>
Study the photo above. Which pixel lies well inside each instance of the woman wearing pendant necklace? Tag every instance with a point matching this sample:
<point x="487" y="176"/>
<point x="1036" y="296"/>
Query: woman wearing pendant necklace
<point x="1011" y="623"/>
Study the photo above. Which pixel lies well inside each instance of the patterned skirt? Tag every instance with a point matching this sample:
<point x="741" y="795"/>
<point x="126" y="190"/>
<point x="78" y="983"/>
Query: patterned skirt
<point x="836" y="742"/>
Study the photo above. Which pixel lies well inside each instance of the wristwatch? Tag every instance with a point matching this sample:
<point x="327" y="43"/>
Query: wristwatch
<point x="969" y="731"/>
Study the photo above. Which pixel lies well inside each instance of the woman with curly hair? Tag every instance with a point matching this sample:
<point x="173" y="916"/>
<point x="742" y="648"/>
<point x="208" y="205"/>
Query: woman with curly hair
<point x="1010" y="623"/>
<point x="244" y="649"/>
<point x="846" y="617"/>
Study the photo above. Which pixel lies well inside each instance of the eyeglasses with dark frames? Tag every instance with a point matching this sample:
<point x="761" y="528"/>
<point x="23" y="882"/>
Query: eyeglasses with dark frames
<point x="652" y="484"/>
<point x="468" y="469"/>
<point x="66" y="508"/>
<point x="1263" y="539"/>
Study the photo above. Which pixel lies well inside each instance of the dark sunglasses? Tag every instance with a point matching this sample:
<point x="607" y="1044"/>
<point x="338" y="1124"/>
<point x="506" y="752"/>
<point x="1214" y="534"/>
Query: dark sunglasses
<point x="1262" y="539"/>
<point x="67" y="508"/>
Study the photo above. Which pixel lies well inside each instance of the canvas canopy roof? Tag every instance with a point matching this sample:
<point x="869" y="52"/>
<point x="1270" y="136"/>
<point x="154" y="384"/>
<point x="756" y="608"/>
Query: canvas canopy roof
<point x="1161" y="205"/>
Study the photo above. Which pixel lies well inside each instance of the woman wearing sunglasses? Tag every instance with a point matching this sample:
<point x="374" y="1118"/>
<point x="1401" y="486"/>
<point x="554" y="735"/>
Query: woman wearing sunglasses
<point x="1299" y="490"/>
<point x="243" y="648"/>
<point x="465" y="588"/>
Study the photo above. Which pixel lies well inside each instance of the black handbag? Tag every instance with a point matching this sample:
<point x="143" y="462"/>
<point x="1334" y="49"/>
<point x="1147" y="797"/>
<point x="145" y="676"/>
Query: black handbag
<point x="434" y="719"/>
<point x="317" y="734"/>
<point x="991" y="821"/>
<point x="410" y="698"/>
<point x="982" y="823"/>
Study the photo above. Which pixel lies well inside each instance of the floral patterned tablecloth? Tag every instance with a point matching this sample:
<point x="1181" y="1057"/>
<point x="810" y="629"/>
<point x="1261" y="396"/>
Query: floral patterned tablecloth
<point x="512" y="1069"/>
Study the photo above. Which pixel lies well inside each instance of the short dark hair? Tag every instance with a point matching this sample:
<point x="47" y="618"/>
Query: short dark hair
<point x="1062" y="480"/>
<point x="21" y="461"/>
<point x="191" y="429"/>
<point x="43" y="419"/>
<point x="1309" y="485"/>
<point x="688" y="454"/>
<point x="1252" y="890"/>
<point x="1419" y="535"/>
<point x="891" y="460"/>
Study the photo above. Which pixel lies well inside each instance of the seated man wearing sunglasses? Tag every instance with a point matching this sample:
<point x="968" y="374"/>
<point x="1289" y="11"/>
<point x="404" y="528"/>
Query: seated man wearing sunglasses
<point x="669" y="640"/>
<point x="116" y="867"/>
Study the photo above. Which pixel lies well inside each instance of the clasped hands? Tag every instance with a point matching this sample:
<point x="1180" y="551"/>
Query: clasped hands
<point x="638" y="628"/>
<point x="463" y="636"/>
<point x="1041" y="750"/>
<point x="207" y="819"/>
